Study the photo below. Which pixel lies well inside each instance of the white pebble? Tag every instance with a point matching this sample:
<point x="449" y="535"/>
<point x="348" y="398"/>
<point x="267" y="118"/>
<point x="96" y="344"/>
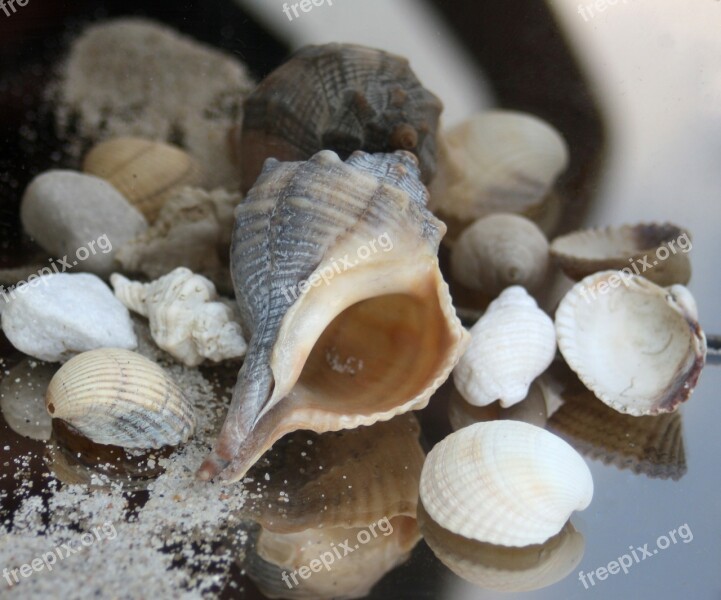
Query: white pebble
<point x="58" y="316"/>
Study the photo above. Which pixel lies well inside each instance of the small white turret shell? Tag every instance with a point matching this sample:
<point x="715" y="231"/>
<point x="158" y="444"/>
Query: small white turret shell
<point x="504" y="482"/>
<point x="186" y="317"/>
<point x="117" y="397"/>
<point x="637" y="346"/>
<point x="499" y="251"/>
<point x="511" y="345"/>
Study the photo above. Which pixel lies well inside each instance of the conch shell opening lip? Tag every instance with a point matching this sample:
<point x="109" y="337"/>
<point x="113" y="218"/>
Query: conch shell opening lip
<point x="372" y="354"/>
<point x="366" y="343"/>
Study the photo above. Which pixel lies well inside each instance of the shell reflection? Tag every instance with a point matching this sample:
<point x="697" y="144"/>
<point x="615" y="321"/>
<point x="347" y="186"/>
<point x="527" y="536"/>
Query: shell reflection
<point x="501" y="568"/>
<point x="346" y="499"/>
<point x="648" y="445"/>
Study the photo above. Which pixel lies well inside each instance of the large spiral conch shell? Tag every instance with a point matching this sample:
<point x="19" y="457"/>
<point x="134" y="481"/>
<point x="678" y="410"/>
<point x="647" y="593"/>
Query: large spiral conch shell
<point x="504" y="482"/>
<point x="338" y="283"/>
<point x="340" y="97"/>
<point x="637" y="346"/>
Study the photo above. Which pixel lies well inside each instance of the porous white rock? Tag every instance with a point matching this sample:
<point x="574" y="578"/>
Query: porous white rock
<point x="57" y="316"/>
<point x="81" y="219"/>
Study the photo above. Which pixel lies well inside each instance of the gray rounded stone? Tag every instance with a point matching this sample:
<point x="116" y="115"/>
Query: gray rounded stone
<point x="80" y="219"/>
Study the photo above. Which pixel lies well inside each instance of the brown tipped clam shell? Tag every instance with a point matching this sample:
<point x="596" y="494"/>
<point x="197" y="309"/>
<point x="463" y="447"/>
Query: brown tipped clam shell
<point x="632" y="248"/>
<point x="340" y="97"/>
<point x="120" y="398"/>
<point x="335" y="348"/>
<point x="503" y="568"/>
<point x="147" y="173"/>
<point x="637" y="346"/>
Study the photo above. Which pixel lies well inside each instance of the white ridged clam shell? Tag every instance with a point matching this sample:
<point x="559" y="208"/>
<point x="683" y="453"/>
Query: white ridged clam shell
<point x="634" y="248"/>
<point x="121" y="398"/>
<point x="637" y="346"/>
<point x="511" y="345"/>
<point x="187" y="320"/>
<point x="498" y="161"/>
<point x="504" y="482"/>
<point x="498" y="251"/>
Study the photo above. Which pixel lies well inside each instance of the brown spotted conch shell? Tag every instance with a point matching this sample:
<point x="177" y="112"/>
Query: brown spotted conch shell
<point x="338" y="284"/>
<point x="340" y="97"/>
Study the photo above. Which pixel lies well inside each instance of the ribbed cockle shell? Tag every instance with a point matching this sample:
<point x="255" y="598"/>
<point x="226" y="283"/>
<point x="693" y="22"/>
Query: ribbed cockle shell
<point x="337" y="278"/>
<point x="504" y="482"/>
<point x="119" y="397"/>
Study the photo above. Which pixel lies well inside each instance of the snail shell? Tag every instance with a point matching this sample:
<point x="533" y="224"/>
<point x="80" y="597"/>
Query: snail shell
<point x="504" y="482"/>
<point x="187" y="320"/>
<point x="637" y="346"/>
<point x="340" y="97"/>
<point x="588" y="251"/>
<point x="497" y="161"/>
<point x="147" y="173"/>
<point x="499" y="251"/>
<point x="117" y="397"/>
<point x="511" y="345"/>
<point x="337" y="279"/>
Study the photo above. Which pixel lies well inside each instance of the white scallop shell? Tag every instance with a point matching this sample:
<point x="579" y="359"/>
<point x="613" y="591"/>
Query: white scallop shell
<point x="637" y="346"/>
<point x="633" y="248"/>
<point x="511" y="345"/>
<point x="504" y="482"/>
<point x="121" y="398"/>
<point x="187" y="320"/>
<point x="498" y="251"/>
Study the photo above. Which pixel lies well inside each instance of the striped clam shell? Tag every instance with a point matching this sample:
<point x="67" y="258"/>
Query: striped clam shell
<point x="118" y="397"/>
<point x="146" y="172"/>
